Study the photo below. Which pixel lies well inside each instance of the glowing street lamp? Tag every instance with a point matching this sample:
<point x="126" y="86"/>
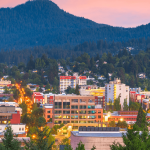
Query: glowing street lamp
<point x="121" y="119"/>
<point x="33" y="136"/>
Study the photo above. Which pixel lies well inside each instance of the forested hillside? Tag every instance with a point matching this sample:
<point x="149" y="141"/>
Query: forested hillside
<point x="92" y="48"/>
<point x="43" y="23"/>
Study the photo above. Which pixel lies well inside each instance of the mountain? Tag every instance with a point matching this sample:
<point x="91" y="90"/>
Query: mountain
<point x="42" y="22"/>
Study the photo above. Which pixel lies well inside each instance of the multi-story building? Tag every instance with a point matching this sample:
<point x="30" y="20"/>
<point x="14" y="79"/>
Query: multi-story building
<point x="4" y="82"/>
<point x="16" y="105"/>
<point x="66" y="81"/>
<point x="72" y="81"/>
<point x="100" y="100"/>
<point x="8" y="115"/>
<point x="129" y="116"/>
<point x="48" y="98"/>
<point x="18" y="129"/>
<point x="76" y="109"/>
<point x="92" y="90"/>
<point x="48" y="112"/>
<point x="38" y="97"/>
<point x="115" y="89"/>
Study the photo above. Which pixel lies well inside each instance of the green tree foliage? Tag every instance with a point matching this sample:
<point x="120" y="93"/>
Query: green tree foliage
<point x="68" y="147"/>
<point x="77" y="90"/>
<point x="16" y="94"/>
<point x="134" y="139"/>
<point x="9" y="143"/>
<point x="65" y="141"/>
<point x="122" y="124"/>
<point x="125" y="105"/>
<point x="134" y="106"/>
<point x="34" y="106"/>
<point x="80" y="146"/>
<point x="141" y="121"/>
<point x="26" y="119"/>
<point x="55" y="127"/>
<point x="40" y="142"/>
<point x="93" y="148"/>
<point x="110" y="105"/>
<point x="40" y="121"/>
<point x="37" y="112"/>
<point x="70" y="90"/>
<point x="112" y="124"/>
<point x="117" y="106"/>
<point x="6" y="90"/>
<point x="24" y="107"/>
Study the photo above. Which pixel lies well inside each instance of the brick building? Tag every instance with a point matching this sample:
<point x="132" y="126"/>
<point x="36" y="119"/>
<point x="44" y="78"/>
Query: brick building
<point x="48" y="112"/>
<point x="76" y="109"/>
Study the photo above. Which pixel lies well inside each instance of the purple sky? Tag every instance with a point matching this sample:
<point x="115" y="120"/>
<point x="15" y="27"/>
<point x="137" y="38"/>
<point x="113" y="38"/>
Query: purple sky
<point x="126" y="13"/>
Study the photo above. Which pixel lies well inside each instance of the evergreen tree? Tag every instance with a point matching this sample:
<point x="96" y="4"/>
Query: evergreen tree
<point x="125" y="105"/>
<point x="141" y="121"/>
<point x="77" y="90"/>
<point x="133" y="139"/>
<point x="40" y="142"/>
<point x="80" y="146"/>
<point x="9" y="143"/>
<point x="117" y="106"/>
<point x="93" y="148"/>
<point x="68" y="147"/>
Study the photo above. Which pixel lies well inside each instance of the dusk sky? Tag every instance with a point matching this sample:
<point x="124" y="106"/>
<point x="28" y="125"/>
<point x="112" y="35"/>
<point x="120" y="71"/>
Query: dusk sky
<point x="126" y="13"/>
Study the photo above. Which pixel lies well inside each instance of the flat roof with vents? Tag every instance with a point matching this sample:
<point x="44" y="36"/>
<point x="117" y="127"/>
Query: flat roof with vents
<point x="99" y="129"/>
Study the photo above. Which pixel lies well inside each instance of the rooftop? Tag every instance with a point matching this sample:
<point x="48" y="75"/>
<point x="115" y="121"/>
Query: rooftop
<point x="98" y="134"/>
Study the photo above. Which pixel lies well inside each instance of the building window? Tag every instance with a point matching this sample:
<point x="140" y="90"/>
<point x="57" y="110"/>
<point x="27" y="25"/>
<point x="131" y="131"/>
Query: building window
<point x="58" y="105"/>
<point x="99" y="116"/>
<point x="74" y="107"/>
<point x="82" y="112"/>
<point x="48" y="116"/>
<point x="91" y="107"/>
<point x="74" y="101"/>
<point x="66" y="105"/>
<point x="58" y="112"/>
<point x="74" y="112"/>
<point x="19" y="129"/>
<point x="48" y="111"/>
<point x="22" y="129"/>
<point x="99" y="111"/>
<point x="66" y="112"/>
<point x="90" y="101"/>
<point x="82" y="106"/>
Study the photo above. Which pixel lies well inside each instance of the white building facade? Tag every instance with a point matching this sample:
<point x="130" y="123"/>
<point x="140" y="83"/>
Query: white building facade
<point x="72" y="81"/>
<point x="115" y="89"/>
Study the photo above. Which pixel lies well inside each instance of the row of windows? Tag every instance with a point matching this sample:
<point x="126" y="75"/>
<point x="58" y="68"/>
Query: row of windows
<point x="75" y="117"/>
<point x="65" y="122"/>
<point x="67" y="106"/>
<point x="76" y="112"/>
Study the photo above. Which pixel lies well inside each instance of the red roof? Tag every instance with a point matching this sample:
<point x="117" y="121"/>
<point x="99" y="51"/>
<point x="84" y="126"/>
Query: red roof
<point x="132" y="92"/>
<point x="82" y="77"/>
<point x="67" y="77"/>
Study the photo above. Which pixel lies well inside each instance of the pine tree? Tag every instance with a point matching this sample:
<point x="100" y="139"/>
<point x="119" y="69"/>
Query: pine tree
<point x="9" y="143"/>
<point x="80" y="146"/>
<point x="77" y="90"/>
<point x="133" y="139"/>
<point x="40" y="142"/>
<point x="141" y="121"/>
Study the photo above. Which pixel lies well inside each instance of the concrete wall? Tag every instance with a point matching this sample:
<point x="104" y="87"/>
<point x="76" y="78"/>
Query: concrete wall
<point x="18" y="128"/>
<point x="101" y="143"/>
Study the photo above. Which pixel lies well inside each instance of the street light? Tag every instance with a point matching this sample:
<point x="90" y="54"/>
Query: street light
<point x="33" y="136"/>
<point x="121" y="119"/>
